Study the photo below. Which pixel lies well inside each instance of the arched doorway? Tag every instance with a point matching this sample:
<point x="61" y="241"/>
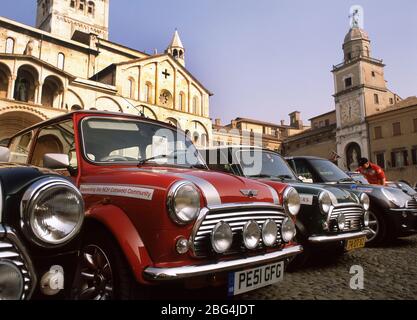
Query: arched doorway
<point x="26" y="81"/>
<point x="353" y="154"/>
<point x="15" y="121"/>
<point x="4" y="80"/>
<point x="51" y="90"/>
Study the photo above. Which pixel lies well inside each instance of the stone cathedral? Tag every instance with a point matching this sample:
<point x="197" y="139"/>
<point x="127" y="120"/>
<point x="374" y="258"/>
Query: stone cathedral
<point x="67" y="62"/>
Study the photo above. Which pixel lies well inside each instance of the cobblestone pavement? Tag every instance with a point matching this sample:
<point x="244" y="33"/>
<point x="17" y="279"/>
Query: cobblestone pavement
<point x="390" y="273"/>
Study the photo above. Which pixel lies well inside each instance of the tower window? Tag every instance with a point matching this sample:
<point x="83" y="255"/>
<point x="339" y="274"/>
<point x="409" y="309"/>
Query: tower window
<point x="91" y="7"/>
<point x="10" y="45"/>
<point x="391" y="101"/>
<point x="373" y="74"/>
<point x="348" y="82"/>
<point x="61" y="61"/>
<point x="376" y="98"/>
<point x="175" y="53"/>
<point x="72" y="4"/>
<point x="349" y="56"/>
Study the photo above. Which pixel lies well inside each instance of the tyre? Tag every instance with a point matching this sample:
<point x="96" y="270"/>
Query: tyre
<point x="102" y="272"/>
<point x="378" y="227"/>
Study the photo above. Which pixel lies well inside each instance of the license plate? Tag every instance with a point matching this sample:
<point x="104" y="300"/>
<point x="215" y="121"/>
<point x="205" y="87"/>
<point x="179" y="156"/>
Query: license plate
<point x="355" y="243"/>
<point x="248" y="280"/>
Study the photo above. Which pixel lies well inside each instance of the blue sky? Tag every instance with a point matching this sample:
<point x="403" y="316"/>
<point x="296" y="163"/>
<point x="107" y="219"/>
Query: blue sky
<point x="263" y="59"/>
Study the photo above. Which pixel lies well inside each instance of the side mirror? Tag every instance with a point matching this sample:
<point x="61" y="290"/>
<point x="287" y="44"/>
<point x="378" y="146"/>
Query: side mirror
<point x="4" y="154"/>
<point x="56" y="161"/>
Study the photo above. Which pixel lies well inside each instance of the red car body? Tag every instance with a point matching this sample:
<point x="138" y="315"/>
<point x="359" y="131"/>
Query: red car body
<point x="130" y="201"/>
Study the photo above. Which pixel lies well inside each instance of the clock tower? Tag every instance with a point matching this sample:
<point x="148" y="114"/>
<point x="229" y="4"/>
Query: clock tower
<point x="360" y="91"/>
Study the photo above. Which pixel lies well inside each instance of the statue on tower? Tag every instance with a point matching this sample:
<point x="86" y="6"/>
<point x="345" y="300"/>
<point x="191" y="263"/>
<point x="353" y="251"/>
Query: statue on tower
<point x="356" y="17"/>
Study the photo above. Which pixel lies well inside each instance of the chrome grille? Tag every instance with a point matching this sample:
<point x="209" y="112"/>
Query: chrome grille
<point x="9" y="251"/>
<point x="353" y="215"/>
<point x="412" y="204"/>
<point x="236" y="219"/>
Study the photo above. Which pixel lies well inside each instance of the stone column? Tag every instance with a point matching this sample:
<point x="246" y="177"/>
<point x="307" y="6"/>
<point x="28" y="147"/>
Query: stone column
<point x="189" y="97"/>
<point x="139" y="83"/>
<point x="175" y="90"/>
<point x="156" y="83"/>
<point x="12" y="84"/>
<point x="38" y="92"/>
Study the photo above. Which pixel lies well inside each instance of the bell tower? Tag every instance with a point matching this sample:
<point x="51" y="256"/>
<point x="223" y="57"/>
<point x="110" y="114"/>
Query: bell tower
<point x="360" y="91"/>
<point x="176" y="48"/>
<point x="64" y="17"/>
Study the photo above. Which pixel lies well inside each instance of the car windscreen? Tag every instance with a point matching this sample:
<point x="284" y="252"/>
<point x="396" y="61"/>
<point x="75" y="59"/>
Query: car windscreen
<point x="258" y="163"/>
<point x="359" y="178"/>
<point x="406" y="188"/>
<point x="122" y="141"/>
<point x="328" y="171"/>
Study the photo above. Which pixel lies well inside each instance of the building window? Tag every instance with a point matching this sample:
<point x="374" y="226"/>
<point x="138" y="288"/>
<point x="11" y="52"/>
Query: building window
<point x="380" y="159"/>
<point x="91" y="8"/>
<point x="327" y="122"/>
<point x="348" y="82"/>
<point x="131" y="88"/>
<point x="373" y="74"/>
<point x="81" y="5"/>
<point x="415" y="125"/>
<point x="391" y="101"/>
<point x="181" y="101"/>
<point x="376" y="98"/>
<point x="399" y="158"/>
<point x="61" y="61"/>
<point x="378" y="132"/>
<point x="349" y="56"/>
<point x="396" y="129"/>
<point x="148" y="93"/>
<point x="72" y="4"/>
<point x="414" y="155"/>
<point x="10" y="45"/>
<point x="195" y="106"/>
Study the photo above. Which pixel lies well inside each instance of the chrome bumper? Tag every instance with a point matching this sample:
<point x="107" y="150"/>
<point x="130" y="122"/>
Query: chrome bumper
<point x="338" y="237"/>
<point x="164" y="274"/>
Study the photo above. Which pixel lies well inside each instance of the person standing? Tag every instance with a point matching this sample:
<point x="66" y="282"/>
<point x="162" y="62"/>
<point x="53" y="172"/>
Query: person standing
<point x="372" y="172"/>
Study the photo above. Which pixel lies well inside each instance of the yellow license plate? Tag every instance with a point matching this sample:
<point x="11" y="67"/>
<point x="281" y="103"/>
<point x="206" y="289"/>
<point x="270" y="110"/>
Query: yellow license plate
<point x="355" y="243"/>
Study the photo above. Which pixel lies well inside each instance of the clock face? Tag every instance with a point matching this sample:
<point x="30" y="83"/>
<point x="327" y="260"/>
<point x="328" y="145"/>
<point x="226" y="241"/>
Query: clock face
<point x="350" y="112"/>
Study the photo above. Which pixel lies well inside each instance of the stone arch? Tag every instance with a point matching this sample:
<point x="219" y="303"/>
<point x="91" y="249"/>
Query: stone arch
<point x="146" y="112"/>
<point x="13" y="120"/>
<point x="52" y="90"/>
<point x="4" y="80"/>
<point x="199" y="133"/>
<point x="72" y="98"/>
<point x="353" y="153"/>
<point x="27" y="81"/>
<point x="173" y="122"/>
<point x="108" y="104"/>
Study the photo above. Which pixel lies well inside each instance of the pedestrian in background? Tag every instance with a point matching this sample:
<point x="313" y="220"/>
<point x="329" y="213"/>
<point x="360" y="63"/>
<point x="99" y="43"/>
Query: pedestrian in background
<point x="372" y="172"/>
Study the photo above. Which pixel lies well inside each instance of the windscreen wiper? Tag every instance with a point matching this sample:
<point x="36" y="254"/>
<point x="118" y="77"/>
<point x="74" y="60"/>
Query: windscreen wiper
<point x="161" y="156"/>
<point x="345" y="180"/>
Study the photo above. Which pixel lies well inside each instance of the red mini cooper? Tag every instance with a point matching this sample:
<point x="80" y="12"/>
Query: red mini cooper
<point x="155" y="214"/>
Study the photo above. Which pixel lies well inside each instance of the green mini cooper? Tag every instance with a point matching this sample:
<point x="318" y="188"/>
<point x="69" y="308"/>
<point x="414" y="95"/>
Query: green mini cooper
<point x="330" y="218"/>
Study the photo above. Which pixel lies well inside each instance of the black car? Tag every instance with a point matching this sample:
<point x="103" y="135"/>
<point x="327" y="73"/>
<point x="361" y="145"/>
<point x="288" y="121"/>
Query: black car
<point x="41" y="214"/>
<point x="393" y="213"/>
<point x="330" y="219"/>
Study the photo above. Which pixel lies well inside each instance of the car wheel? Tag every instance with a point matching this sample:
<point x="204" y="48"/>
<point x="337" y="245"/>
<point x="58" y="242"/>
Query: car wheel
<point x="102" y="272"/>
<point x="378" y="230"/>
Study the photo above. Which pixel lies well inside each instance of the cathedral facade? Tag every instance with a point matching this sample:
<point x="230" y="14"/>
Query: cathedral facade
<point x="67" y="63"/>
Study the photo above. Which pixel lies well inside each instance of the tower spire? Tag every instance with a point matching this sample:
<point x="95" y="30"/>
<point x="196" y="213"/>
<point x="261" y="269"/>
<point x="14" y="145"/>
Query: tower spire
<point x="176" y="48"/>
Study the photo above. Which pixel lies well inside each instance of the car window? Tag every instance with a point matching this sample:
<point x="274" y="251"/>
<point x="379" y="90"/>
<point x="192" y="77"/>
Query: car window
<point x="303" y="170"/>
<point x="217" y="160"/>
<point x="121" y="141"/>
<point x="20" y="147"/>
<point x="57" y="138"/>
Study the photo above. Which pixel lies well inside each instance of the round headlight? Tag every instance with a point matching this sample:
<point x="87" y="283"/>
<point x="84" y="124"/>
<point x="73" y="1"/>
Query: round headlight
<point x="341" y="221"/>
<point x="52" y="212"/>
<point x="269" y="233"/>
<point x="184" y="202"/>
<point x="11" y="281"/>
<point x="366" y="218"/>
<point x="288" y="230"/>
<point x="365" y="201"/>
<point x="292" y="202"/>
<point x="391" y="197"/>
<point x="325" y="202"/>
<point x="221" y="237"/>
<point x="251" y="235"/>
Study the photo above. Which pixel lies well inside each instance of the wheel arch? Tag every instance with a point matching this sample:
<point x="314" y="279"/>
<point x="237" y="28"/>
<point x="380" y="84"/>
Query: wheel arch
<point x="115" y="221"/>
